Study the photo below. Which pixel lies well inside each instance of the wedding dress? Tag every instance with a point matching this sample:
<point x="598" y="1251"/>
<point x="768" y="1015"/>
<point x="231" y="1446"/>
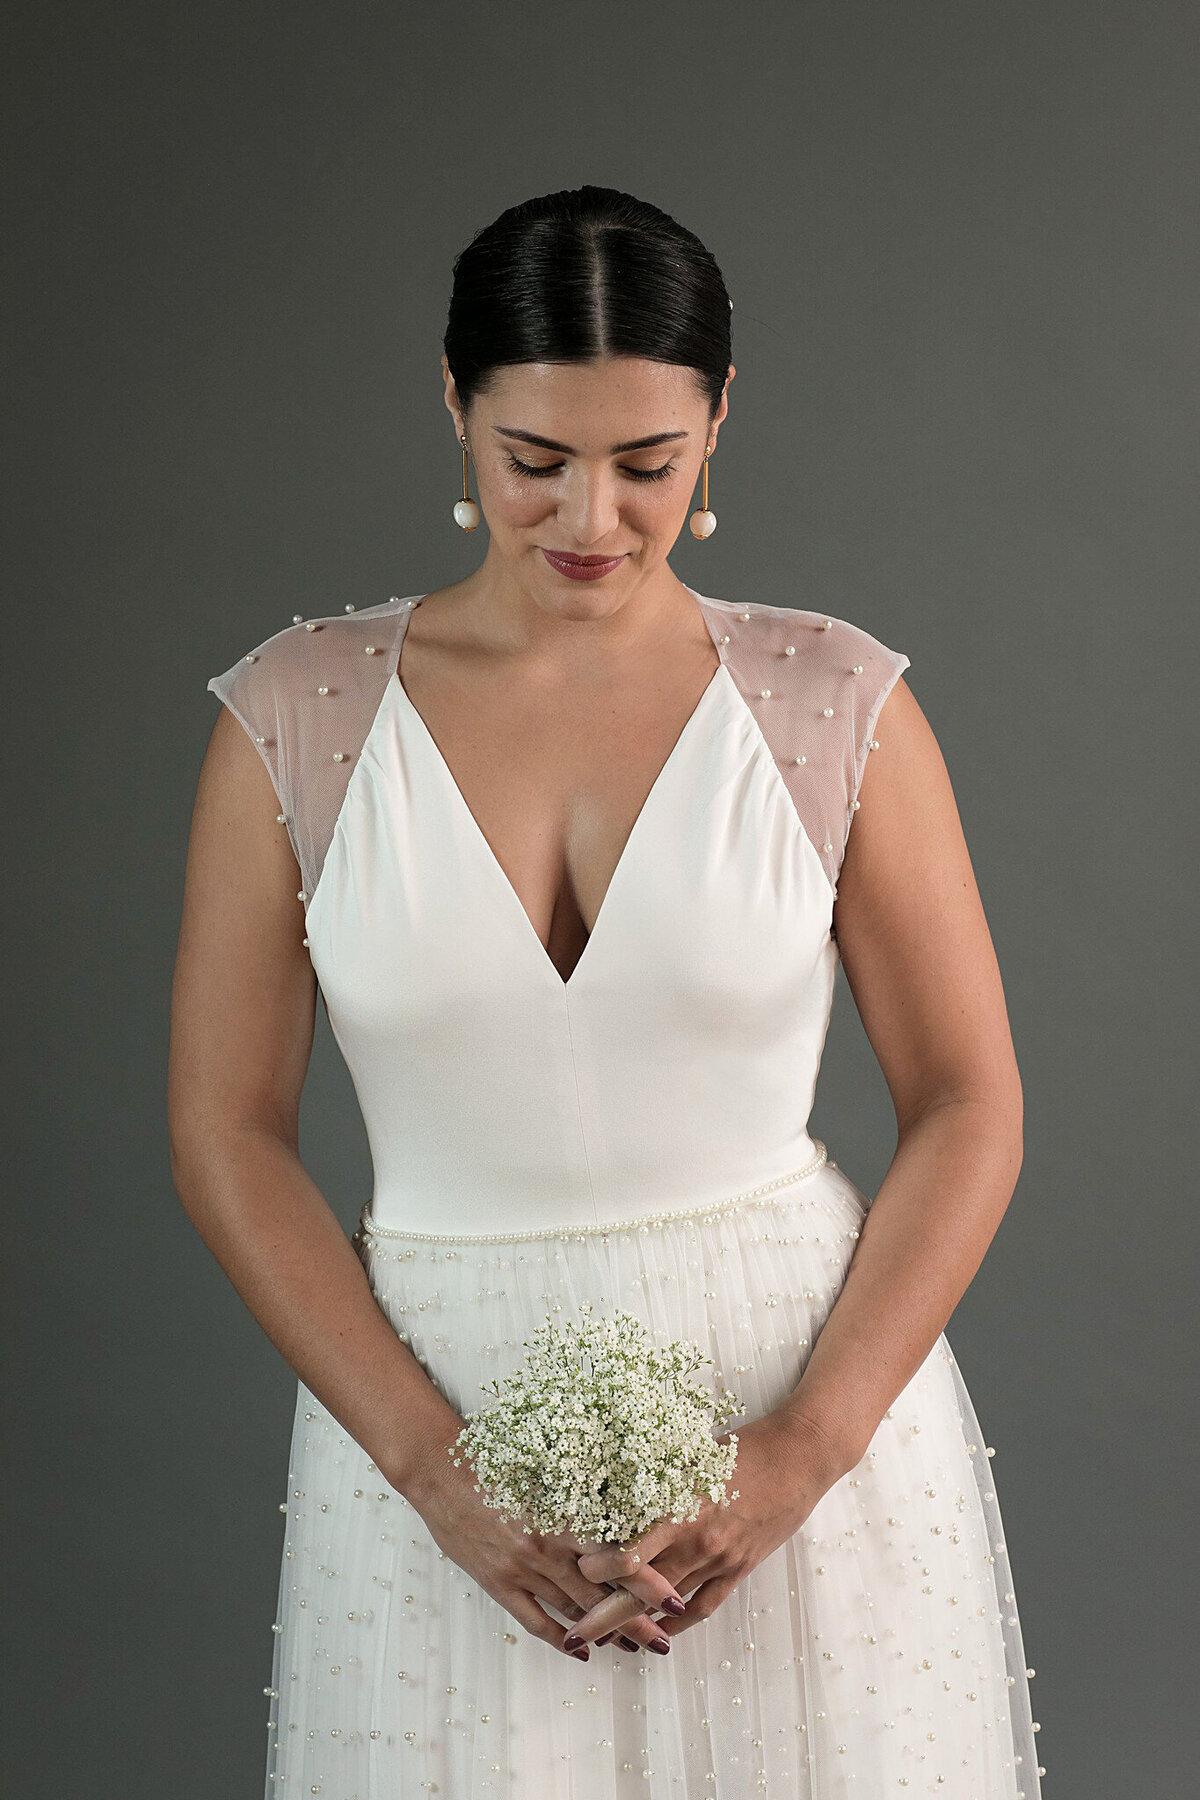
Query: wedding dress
<point x="634" y="1135"/>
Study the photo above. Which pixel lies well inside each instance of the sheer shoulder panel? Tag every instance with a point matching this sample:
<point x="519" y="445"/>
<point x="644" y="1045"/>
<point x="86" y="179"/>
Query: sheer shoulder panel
<point x="307" y="697"/>
<point x="816" y="686"/>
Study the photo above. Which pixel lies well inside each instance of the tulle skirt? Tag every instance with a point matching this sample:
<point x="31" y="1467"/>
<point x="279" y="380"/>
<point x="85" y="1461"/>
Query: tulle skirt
<point x="877" y="1650"/>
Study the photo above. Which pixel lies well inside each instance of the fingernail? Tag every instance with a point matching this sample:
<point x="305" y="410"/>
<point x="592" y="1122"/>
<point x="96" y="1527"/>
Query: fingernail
<point x="674" y="1605"/>
<point x="660" y="1644"/>
<point x="607" y="1638"/>
<point x="582" y="1655"/>
<point x="629" y="1643"/>
<point x="571" y="1642"/>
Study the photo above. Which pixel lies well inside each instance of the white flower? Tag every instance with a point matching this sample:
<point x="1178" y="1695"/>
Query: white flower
<point x="600" y="1433"/>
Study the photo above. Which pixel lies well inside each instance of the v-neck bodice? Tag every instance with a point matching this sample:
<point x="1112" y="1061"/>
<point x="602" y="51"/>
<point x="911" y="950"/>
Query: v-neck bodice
<point x="425" y="747"/>
<point x="677" y="1064"/>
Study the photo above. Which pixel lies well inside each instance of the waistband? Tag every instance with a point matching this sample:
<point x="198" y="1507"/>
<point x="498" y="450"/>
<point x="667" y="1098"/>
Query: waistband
<point x="764" y="1195"/>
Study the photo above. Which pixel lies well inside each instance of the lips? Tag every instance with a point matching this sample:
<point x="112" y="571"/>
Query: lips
<point x="568" y="556"/>
<point x="582" y="568"/>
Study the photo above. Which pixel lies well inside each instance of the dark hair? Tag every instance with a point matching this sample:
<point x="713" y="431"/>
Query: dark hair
<point x="586" y="272"/>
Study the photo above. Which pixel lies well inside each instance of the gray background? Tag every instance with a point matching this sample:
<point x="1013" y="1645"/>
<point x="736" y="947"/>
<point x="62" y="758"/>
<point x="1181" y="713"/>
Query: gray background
<point x="962" y="243"/>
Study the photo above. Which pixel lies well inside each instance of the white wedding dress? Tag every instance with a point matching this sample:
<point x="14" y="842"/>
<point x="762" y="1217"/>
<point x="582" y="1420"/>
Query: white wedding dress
<point x="636" y="1136"/>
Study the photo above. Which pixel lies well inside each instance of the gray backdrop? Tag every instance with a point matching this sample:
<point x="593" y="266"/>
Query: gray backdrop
<point x="962" y="243"/>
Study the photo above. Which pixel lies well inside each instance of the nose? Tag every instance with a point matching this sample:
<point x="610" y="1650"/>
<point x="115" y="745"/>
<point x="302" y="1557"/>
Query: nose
<point x="589" y="510"/>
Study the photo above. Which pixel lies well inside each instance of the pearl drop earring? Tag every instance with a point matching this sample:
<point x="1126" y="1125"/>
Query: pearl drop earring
<point x="466" y="513"/>
<point x="703" y="522"/>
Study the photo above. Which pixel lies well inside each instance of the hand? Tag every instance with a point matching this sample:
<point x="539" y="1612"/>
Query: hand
<point x="784" y="1467"/>
<point x="521" y="1570"/>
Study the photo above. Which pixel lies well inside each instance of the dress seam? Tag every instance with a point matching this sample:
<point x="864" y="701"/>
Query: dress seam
<point x="763" y="1195"/>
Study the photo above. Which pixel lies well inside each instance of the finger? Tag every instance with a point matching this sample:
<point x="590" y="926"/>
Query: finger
<point x="703" y="1603"/>
<point x="640" y="1631"/>
<point x="622" y="1606"/>
<point x="645" y="1633"/>
<point x="619" y="1607"/>
<point x="633" y="1567"/>
<point x="614" y="1612"/>
<point x="683" y="1565"/>
<point x="643" y="1548"/>
<point x="653" y="1591"/>
<point x="618" y="1610"/>
<point x="555" y="1596"/>
<point x="625" y="1617"/>
<point x="685" y="1581"/>
<point x="607" y="1609"/>
<point x="625" y="1614"/>
<point x="525" y="1609"/>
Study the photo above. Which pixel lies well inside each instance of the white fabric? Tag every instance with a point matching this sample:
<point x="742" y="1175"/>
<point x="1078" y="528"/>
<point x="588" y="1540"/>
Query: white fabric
<point x="636" y="1135"/>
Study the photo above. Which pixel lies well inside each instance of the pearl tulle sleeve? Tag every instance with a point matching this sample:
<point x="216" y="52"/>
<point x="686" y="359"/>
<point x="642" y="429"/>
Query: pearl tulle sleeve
<point x="307" y="697"/>
<point x="816" y="685"/>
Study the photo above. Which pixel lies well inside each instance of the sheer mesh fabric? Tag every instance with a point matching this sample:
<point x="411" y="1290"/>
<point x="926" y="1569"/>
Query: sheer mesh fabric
<point x="816" y="685"/>
<point x="308" y="696"/>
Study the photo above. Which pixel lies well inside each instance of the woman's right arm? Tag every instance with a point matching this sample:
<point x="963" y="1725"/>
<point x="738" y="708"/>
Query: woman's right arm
<point x="242" y="1014"/>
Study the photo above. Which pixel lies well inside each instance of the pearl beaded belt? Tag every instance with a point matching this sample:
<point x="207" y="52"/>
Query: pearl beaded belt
<point x="713" y="1209"/>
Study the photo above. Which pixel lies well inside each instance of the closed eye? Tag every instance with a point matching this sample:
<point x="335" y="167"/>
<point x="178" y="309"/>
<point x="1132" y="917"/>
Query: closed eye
<point x="537" y="471"/>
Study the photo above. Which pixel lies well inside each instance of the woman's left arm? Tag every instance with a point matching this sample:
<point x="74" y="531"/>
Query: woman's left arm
<point x="920" y="963"/>
<point x="921" y="966"/>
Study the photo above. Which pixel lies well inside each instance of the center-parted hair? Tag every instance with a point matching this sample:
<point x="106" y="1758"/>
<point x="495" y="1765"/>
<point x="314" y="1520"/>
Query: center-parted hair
<point x="582" y="273"/>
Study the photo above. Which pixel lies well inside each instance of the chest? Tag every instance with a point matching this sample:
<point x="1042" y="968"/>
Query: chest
<point x="555" y="773"/>
<point x="716" y="900"/>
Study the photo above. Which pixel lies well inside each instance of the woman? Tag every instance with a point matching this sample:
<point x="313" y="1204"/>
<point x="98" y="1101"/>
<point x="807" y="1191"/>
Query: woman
<point x="560" y="844"/>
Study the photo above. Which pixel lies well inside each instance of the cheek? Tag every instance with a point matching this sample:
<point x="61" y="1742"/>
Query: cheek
<point x="516" y="502"/>
<point x="657" y="510"/>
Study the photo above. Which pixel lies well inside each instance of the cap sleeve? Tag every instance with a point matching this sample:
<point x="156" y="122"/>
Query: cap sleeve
<point x="816" y="684"/>
<point x="307" y="698"/>
<point x="876" y="670"/>
<point x="247" y="690"/>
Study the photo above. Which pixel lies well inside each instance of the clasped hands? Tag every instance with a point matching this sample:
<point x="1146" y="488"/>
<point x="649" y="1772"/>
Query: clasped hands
<point x="685" y="1571"/>
<point x="785" y="1463"/>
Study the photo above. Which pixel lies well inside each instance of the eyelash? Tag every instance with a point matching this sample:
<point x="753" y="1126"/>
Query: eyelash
<point x="521" y="468"/>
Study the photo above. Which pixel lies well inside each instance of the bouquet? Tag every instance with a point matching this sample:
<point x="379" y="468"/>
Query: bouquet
<point x="600" y="1433"/>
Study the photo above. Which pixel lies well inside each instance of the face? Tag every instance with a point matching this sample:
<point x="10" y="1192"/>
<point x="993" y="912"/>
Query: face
<point x="587" y="460"/>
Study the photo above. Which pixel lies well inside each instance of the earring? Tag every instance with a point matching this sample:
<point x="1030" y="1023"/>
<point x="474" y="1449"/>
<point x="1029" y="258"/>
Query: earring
<point x="703" y="522"/>
<point x="466" y="513"/>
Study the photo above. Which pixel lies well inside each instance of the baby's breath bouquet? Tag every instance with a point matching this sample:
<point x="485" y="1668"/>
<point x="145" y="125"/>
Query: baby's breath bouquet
<point x="601" y="1433"/>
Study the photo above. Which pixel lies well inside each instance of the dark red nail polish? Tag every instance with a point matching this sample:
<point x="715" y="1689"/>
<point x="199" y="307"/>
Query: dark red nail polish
<point x="629" y="1643"/>
<point x="607" y="1638"/>
<point x="571" y="1642"/>
<point x="674" y="1606"/>
<point x="660" y="1644"/>
<point x="581" y="1655"/>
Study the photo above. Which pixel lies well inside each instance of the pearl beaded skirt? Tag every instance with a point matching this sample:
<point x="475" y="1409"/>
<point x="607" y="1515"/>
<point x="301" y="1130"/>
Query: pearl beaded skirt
<point x="877" y="1650"/>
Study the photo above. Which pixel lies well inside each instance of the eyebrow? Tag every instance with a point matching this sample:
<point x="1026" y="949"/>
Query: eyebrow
<point x="646" y="443"/>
